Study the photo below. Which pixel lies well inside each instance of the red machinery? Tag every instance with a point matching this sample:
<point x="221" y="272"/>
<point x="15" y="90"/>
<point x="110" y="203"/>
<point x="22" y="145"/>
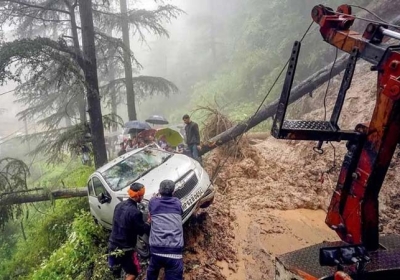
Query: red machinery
<point x="353" y="212"/>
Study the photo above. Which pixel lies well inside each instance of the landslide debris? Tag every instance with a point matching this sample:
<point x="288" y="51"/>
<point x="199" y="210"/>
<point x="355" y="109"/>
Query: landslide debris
<point x="235" y="238"/>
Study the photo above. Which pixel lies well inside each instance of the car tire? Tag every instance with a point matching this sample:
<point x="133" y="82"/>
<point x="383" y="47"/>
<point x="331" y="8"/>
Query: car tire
<point x="207" y="203"/>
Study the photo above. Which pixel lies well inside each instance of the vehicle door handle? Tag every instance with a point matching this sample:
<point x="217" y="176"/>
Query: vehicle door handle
<point x="99" y="206"/>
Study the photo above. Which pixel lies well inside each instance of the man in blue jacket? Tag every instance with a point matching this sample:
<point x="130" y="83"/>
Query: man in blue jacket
<point x="166" y="234"/>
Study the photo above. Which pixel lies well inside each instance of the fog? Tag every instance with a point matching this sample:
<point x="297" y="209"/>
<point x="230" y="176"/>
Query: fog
<point x="214" y="48"/>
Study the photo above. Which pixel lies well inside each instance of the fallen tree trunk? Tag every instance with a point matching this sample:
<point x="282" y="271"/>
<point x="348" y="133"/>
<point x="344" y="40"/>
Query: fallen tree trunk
<point x="21" y="197"/>
<point x="305" y="87"/>
<point x="268" y="111"/>
<point x="258" y="135"/>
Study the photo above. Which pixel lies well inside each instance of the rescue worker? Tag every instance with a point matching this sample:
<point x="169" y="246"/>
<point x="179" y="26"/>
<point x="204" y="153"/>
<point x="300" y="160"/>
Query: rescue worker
<point x="127" y="225"/>
<point x="192" y="137"/>
<point x="131" y="145"/>
<point x="166" y="235"/>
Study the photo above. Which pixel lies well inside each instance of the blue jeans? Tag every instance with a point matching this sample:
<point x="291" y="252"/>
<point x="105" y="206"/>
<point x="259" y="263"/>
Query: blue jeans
<point x="194" y="152"/>
<point x="173" y="268"/>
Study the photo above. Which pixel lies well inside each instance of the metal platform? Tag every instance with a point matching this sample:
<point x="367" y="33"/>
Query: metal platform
<point x="304" y="263"/>
<point x="308" y="125"/>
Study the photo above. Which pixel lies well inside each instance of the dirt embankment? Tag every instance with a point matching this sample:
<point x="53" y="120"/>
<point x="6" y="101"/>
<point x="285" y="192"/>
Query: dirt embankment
<point x="273" y="201"/>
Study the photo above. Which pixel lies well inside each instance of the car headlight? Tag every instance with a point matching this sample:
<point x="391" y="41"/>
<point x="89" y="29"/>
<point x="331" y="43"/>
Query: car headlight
<point x="198" y="170"/>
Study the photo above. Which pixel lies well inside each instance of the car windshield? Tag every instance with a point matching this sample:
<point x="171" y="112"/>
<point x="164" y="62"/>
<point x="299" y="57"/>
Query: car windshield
<point x="134" y="167"/>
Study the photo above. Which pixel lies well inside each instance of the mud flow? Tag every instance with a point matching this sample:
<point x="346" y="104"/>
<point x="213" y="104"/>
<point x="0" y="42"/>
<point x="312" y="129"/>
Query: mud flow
<point x="273" y="197"/>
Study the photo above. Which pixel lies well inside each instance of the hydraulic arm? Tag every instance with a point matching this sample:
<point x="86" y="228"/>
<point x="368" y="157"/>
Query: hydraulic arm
<point x="353" y="210"/>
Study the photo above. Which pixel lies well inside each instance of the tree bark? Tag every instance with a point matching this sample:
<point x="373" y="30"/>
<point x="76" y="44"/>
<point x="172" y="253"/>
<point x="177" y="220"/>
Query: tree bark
<point x="268" y="111"/>
<point x="113" y="93"/>
<point x="77" y="47"/>
<point x="92" y="88"/>
<point x="130" y="93"/>
<point x="82" y="108"/>
<point x="20" y="198"/>
<point x="114" y="111"/>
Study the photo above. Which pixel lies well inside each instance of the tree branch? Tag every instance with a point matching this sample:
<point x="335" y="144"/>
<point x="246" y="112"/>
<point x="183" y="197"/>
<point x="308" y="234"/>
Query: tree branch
<point x="38" y="18"/>
<point x="36" y="6"/>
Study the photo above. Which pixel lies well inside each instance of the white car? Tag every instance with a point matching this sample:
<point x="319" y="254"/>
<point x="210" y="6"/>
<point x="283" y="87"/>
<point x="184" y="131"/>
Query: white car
<point x="150" y="165"/>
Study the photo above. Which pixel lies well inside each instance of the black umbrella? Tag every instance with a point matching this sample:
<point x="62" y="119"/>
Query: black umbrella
<point x="157" y="119"/>
<point x="135" y="127"/>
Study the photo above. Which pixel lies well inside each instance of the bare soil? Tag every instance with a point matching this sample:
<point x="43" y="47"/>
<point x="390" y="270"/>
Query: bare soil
<point x="274" y="200"/>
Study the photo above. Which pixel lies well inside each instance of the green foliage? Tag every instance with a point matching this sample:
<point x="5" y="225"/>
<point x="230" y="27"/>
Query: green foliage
<point x="51" y="85"/>
<point x="111" y="120"/>
<point x="34" y="54"/>
<point x="68" y="174"/>
<point x="13" y="176"/>
<point x="82" y="256"/>
<point x="144" y="86"/>
<point x="47" y="226"/>
<point x="8" y="242"/>
<point x="58" y="143"/>
<point x="140" y="20"/>
<point x="264" y="33"/>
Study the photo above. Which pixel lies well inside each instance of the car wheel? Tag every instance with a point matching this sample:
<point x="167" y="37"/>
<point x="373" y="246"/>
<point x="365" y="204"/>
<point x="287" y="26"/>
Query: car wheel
<point x="207" y="203"/>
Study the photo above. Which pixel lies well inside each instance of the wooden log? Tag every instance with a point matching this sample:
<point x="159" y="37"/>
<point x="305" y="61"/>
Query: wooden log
<point x="28" y="197"/>
<point x="268" y="111"/>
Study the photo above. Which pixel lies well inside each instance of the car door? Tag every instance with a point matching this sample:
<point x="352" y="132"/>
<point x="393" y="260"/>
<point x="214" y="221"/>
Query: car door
<point x="103" y="211"/>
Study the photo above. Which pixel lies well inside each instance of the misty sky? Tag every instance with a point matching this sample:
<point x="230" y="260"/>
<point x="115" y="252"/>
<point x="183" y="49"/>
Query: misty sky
<point x="9" y="122"/>
<point x="153" y="55"/>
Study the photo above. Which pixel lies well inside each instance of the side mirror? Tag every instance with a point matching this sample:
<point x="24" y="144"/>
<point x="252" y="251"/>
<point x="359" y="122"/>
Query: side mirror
<point x="103" y="198"/>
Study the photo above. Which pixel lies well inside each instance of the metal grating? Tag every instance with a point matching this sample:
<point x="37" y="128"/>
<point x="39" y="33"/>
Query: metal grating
<point x="390" y="242"/>
<point x="187" y="188"/>
<point x="307" y="259"/>
<point x="308" y="125"/>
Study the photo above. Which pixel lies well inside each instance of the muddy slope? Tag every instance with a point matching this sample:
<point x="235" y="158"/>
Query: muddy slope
<point x="273" y="201"/>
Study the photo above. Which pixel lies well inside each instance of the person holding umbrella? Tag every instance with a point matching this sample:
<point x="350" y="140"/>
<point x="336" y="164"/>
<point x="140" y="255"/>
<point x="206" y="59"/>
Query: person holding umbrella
<point x="163" y="142"/>
<point x="157" y="119"/>
<point x="192" y="136"/>
<point x="131" y="145"/>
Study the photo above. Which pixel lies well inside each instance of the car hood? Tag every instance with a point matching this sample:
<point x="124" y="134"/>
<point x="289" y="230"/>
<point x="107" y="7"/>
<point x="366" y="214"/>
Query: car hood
<point x="173" y="169"/>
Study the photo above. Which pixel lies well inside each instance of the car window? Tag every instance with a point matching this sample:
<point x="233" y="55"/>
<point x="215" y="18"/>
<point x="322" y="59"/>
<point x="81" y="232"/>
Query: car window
<point x="98" y="186"/>
<point x="90" y="188"/>
<point x="133" y="167"/>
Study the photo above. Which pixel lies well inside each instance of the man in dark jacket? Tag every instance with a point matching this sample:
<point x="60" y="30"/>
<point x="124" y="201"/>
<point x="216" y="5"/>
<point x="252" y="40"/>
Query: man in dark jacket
<point x="127" y="225"/>
<point x="166" y="235"/>
<point x="192" y="136"/>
